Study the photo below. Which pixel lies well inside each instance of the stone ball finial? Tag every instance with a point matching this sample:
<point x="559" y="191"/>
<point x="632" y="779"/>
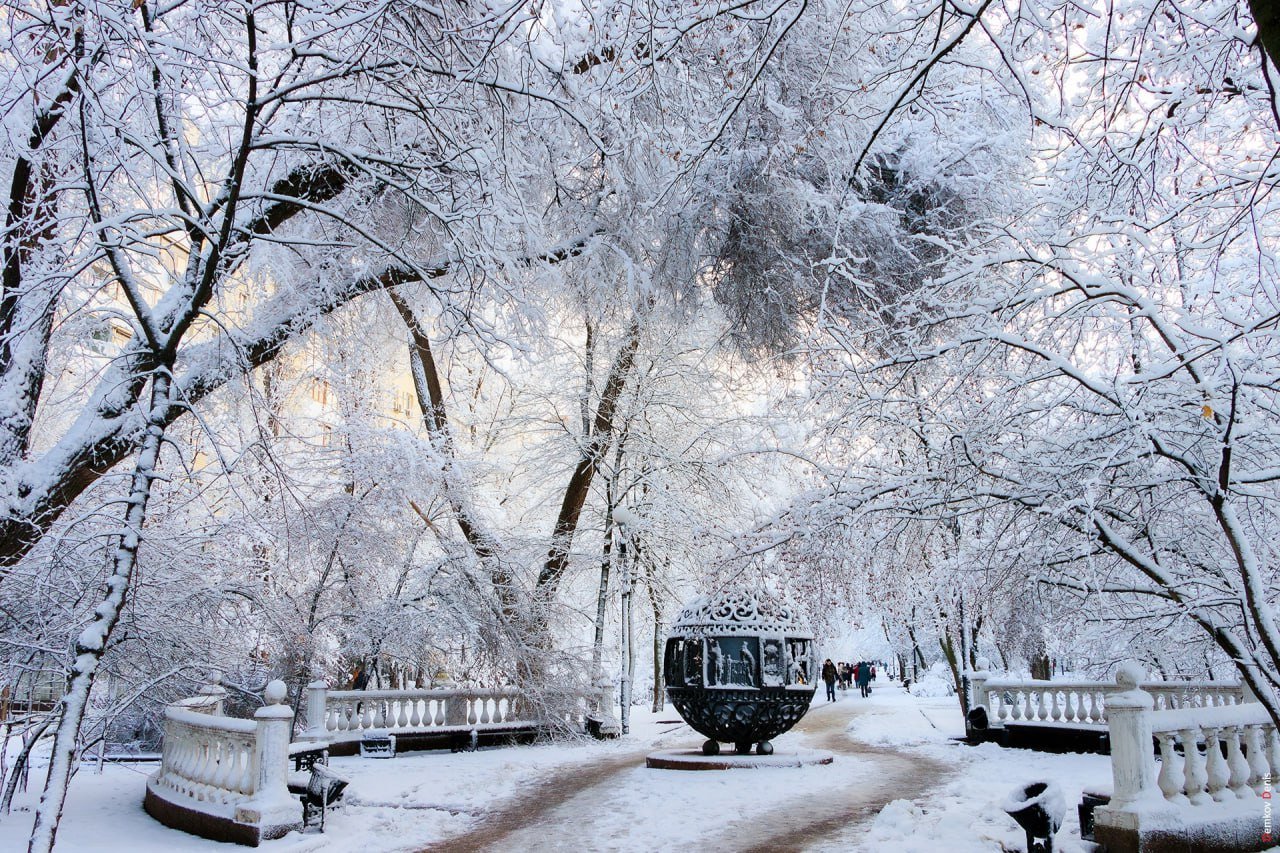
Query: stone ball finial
<point x="1129" y="675"/>
<point x="215" y="678"/>
<point x="984" y="664"/>
<point x="276" y="692"/>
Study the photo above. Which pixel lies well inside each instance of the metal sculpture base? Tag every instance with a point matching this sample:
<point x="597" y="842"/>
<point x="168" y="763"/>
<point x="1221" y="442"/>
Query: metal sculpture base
<point x="741" y="716"/>
<point x="693" y="759"/>
<point x="712" y="747"/>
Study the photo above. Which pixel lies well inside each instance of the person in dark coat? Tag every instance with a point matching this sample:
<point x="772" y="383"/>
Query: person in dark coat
<point x="829" y="676"/>
<point x="864" y="678"/>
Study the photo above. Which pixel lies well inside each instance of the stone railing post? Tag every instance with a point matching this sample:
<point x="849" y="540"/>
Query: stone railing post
<point x="272" y="808"/>
<point x="215" y="693"/>
<point x="455" y="705"/>
<point x="978" y="679"/>
<point x="1129" y="724"/>
<point x="317" y="713"/>
<point x="609" y="724"/>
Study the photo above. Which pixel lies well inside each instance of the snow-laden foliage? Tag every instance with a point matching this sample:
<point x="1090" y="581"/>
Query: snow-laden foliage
<point x="373" y="336"/>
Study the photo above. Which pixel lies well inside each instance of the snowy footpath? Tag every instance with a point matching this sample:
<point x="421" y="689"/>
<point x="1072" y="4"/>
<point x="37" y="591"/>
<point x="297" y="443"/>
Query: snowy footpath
<point x="899" y="783"/>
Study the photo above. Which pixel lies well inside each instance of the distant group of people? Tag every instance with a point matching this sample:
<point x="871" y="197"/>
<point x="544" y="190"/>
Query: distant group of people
<point x="846" y="675"/>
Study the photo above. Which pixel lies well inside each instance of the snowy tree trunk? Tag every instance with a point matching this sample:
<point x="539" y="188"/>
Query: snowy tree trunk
<point x="93" y="640"/>
<point x="602" y="592"/>
<point x="659" y="694"/>
<point x="31" y="293"/>
<point x="628" y="647"/>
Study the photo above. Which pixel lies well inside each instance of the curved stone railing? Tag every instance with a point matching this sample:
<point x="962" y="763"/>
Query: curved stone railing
<point x="1085" y="702"/>
<point x="225" y="778"/>
<point x="206" y="758"/>
<point x="343" y="715"/>
<point x="1216" y="768"/>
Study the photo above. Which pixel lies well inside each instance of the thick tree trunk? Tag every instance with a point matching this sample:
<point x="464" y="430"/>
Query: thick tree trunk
<point x="430" y="394"/>
<point x="92" y="643"/>
<point x="28" y="302"/>
<point x="597" y="444"/>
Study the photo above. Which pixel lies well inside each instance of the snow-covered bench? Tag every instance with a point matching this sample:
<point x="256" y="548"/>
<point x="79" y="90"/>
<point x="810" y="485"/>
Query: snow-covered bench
<point x="422" y="716"/>
<point x="226" y="778"/>
<point x="1215" y="800"/>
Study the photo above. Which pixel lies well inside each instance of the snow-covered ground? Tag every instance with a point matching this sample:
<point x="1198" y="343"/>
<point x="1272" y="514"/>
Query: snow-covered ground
<point x="964" y="813"/>
<point x="594" y="796"/>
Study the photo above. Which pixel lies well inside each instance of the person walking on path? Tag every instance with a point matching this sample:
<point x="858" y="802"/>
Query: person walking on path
<point x="829" y="676"/>
<point x="864" y="678"/>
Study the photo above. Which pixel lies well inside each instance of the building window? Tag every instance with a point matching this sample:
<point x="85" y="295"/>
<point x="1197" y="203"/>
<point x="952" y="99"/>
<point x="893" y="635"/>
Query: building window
<point x="326" y="435"/>
<point x="320" y="391"/>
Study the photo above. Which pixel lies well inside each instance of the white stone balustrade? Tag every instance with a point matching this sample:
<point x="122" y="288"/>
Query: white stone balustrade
<point x="343" y="715"/>
<point x="206" y="758"/>
<point x="1240" y="752"/>
<point x="1202" y="778"/>
<point x="225" y="778"/>
<point x="1084" y="703"/>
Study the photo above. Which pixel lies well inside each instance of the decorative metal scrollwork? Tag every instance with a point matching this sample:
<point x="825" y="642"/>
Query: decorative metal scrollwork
<point x="739" y="667"/>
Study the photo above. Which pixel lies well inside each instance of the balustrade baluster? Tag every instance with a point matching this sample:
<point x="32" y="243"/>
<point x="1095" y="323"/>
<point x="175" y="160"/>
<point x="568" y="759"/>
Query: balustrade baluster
<point x="1042" y="712"/>
<point x="366" y="717"/>
<point x="222" y="768"/>
<point x="204" y="767"/>
<point x="232" y="788"/>
<point x="1054" y="711"/>
<point x="1273" y="751"/>
<point x="197" y="760"/>
<point x="1258" y="766"/>
<point x="379" y="714"/>
<point x="235" y="767"/>
<point x="415" y="715"/>
<point x="1193" y="768"/>
<point x="1238" y="767"/>
<point x="175" y="755"/>
<point x="402" y="712"/>
<point x="1171" y="775"/>
<point x="190" y="755"/>
<point x="1216" y="767"/>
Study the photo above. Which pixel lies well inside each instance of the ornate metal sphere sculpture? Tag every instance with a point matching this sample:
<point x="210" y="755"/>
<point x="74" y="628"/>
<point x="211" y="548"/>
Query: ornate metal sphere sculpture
<point x="739" y="668"/>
